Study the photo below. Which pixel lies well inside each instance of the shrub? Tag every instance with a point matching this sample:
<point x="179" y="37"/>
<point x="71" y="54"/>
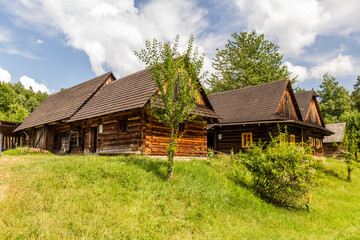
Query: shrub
<point x="282" y="173"/>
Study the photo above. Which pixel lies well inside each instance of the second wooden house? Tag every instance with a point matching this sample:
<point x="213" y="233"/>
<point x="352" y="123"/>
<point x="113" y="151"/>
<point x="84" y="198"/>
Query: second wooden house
<point x="254" y="113"/>
<point x="109" y="116"/>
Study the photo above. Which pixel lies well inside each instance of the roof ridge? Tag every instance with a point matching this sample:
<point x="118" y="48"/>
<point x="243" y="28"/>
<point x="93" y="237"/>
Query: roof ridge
<point x="80" y="84"/>
<point x="238" y="89"/>
<point x="131" y="74"/>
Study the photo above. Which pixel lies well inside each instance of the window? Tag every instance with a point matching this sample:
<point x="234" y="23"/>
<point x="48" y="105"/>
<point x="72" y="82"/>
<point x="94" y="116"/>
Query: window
<point x="292" y="140"/>
<point x="181" y="127"/>
<point x="319" y="143"/>
<point x="282" y="138"/>
<point x="100" y="129"/>
<point x="312" y="142"/>
<point x="246" y="139"/>
<point x="123" y="126"/>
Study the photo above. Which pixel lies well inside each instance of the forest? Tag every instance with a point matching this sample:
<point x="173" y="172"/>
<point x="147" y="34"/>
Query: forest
<point x="17" y="102"/>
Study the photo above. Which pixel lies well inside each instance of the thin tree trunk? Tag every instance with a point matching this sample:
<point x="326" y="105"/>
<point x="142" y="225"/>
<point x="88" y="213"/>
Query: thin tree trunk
<point x="171" y="153"/>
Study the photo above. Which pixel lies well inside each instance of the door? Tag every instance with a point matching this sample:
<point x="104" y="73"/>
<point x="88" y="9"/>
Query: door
<point x="211" y="140"/>
<point x="93" y="139"/>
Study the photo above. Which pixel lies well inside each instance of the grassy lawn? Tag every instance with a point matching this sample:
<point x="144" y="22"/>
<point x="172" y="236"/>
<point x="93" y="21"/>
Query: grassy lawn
<point x="92" y="197"/>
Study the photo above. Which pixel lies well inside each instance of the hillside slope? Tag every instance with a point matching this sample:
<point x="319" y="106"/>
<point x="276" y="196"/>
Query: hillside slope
<point x="77" y="197"/>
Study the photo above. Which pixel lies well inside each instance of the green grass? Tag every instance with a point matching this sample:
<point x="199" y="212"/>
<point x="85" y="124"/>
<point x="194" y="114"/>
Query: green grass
<point x="92" y="197"/>
<point x="25" y="151"/>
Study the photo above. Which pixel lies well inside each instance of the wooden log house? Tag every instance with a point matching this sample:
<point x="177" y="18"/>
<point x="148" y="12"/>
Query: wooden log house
<point x="109" y="116"/>
<point x="8" y="138"/>
<point x="252" y="114"/>
<point x="333" y="145"/>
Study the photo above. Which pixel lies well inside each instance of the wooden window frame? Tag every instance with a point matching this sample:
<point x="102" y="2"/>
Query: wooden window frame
<point x="282" y="138"/>
<point x="181" y="127"/>
<point x="292" y="140"/>
<point x="123" y="126"/>
<point x="244" y="141"/>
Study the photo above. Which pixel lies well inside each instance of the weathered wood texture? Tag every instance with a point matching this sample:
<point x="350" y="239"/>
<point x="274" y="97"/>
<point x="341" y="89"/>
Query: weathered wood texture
<point x="286" y="107"/>
<point x="143" y="134"/>
<point x="9" y="142"/>
<point x="192" y="143"/>
<point x="231" y="136"/>
<point x="333" y="150"/>
<point x="313" y="115"/>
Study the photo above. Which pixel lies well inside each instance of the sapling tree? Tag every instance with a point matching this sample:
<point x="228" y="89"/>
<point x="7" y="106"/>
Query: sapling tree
<point x="177" y="76"/>
<point x="350" y="144"/>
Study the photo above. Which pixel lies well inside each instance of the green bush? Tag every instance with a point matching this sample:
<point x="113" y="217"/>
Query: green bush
<point x="282" y="173"/>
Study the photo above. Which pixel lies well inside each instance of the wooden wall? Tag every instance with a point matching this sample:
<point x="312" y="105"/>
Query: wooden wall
<point x="286" y="107"/>
<point x="9" y="141"/>
<point x="313" y="115"/>
<point x="143" y="135"/>
<point x="333" y="150"/>
<point x="192" y="143"/>
<point x="231" y="136"/>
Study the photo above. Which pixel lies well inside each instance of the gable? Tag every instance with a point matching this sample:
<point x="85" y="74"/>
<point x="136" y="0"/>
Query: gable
<point x="286" y="107"/>
<point x="313" y="115"/>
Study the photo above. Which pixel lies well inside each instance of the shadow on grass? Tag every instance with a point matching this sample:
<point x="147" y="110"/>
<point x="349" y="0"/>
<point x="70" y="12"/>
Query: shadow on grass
<point x="158" y="168"/>
<point x="332" y="173"/>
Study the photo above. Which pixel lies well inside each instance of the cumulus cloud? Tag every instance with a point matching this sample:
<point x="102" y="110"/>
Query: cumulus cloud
<point x="110" y="31"/>
<point x="299" y="71"/>
<point x="28" y="82"/>
<point x="5" y="76"/>
<point x="293" y="23"/>
<point x="339" y="66"/>
<point x="39" y="41"/>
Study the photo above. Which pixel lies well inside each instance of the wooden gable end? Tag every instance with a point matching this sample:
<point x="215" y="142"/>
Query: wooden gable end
<point x="313" y="114"/>
<point x="286" y="107"/>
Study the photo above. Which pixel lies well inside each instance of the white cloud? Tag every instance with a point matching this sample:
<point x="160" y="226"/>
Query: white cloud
<point x="339" y="66"/>
<point x="109" y="31"/>
<point x="5" y="76"/>
<point x="297" y="23"/>
<point x="294" y="23"/>
<point x="28" y="82"/>
<point x="4" y="35"/>
<point x="299" y="71"/>
<point x="39" y="41"/>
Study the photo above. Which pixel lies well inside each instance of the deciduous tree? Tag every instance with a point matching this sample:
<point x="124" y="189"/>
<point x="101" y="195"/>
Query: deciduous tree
<point x="248" y="59"/>
<point x="334" y="99"/>
<point x="176" y="76"/>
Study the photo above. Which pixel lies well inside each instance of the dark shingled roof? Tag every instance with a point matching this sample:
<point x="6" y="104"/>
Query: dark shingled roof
<point x="64" y="104"/>
<point x="304" y="99"/>
<point x="250" y="104"/>
<point x="8" y="127"/>
<point x="130" y="92"/>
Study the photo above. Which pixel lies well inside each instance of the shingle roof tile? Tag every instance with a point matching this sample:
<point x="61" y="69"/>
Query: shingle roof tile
<point x="255" y="103"/>
<point x="64" y="104"/>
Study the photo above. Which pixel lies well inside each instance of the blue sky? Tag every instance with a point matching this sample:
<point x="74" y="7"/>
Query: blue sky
<point x="50" y="44"/>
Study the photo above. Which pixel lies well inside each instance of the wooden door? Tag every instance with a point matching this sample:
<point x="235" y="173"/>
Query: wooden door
<point x="93" y="139"/>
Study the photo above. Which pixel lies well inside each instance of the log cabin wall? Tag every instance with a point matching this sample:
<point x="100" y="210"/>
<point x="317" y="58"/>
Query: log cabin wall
<point x="231" y="136"/>
<point x="192" y="143"/>
<point x="121" y="133"/>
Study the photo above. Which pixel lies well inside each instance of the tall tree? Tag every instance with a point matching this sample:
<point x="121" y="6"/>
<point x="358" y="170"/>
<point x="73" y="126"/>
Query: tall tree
<point x="248" y="59"/>
<point x="176" y="76"/>
<point x="334" y="99"/>
<point x="355" y="95"/>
